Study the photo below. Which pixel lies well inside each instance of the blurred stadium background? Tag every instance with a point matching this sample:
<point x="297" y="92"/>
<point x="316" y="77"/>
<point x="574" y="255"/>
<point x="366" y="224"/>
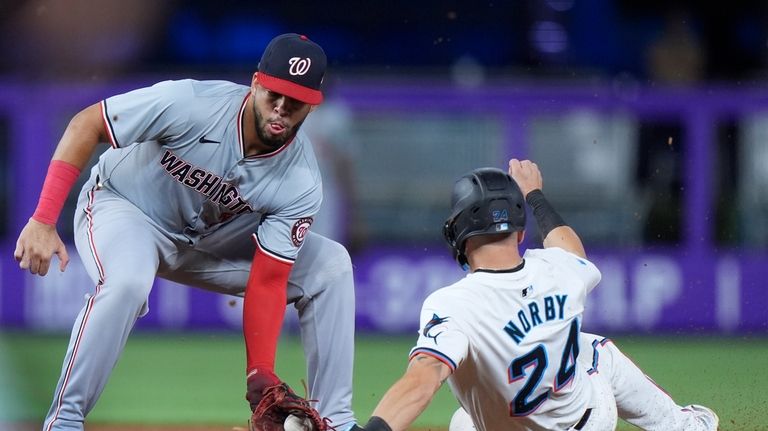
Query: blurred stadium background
<point x="648" y="119"/>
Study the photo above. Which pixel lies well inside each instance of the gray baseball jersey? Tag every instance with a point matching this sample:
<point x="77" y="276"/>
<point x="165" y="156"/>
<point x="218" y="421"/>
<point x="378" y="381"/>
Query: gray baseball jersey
<point x="191" y="132"/>
<point x="176" y="198"/>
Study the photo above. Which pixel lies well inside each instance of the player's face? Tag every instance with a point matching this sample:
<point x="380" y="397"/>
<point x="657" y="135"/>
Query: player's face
<point x="277" y="117"/>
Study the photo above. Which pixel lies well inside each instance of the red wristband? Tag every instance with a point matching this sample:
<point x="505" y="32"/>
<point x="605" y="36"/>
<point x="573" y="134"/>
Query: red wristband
<point x="58" y="182"/>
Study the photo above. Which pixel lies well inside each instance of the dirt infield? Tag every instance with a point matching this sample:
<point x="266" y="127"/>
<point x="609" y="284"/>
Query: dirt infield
<point x="98" y="427"/>
<point x="128" y="427"/>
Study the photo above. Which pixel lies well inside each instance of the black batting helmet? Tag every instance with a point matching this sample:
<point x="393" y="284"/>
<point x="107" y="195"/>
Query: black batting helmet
<point x="485" y="201"/>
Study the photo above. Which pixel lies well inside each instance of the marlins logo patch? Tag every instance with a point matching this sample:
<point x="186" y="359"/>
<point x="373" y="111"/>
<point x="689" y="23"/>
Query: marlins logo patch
<point x="300" y="229"/>
<point x="436" y="320"/>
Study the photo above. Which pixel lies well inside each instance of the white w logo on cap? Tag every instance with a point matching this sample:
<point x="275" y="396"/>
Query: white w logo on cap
<point x="299" y="66"/>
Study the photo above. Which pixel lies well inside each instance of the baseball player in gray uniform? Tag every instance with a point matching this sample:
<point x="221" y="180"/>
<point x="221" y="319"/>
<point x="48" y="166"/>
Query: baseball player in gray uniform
<point x="210" y="184"/>
<point x="507" y="336"/>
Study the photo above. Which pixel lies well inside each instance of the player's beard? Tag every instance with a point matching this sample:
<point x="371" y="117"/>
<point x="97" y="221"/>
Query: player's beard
<point x="266" y="138"/>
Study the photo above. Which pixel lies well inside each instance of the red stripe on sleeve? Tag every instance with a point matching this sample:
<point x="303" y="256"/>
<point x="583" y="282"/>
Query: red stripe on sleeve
<point x="263" y="309"/>
<point x="107" y="125"/>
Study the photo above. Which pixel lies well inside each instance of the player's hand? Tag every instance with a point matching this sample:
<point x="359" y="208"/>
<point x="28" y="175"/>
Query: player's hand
<point x="526" y="174"/>
<point x="37" y="244"/>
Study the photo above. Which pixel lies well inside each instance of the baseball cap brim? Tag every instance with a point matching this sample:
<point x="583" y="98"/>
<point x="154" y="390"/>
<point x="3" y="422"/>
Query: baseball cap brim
<point x="290" y="89"/>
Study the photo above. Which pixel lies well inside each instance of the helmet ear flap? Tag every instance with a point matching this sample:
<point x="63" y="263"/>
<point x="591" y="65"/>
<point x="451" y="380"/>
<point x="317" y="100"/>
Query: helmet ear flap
<point x="452" y="238"/>
<point x="448" y="233"/>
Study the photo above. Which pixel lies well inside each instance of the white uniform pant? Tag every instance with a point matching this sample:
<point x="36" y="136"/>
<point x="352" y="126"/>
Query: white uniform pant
<point x="639" y="400"/>
<point x="618" y="387"/>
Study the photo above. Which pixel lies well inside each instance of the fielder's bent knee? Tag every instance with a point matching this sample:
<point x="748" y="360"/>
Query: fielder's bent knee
<point x="323" y="265"/>
<point x="325" y="248"/>
<point x="329" y="258"/>
<point x="129" y="293"/>
<point x="337" y="257"/>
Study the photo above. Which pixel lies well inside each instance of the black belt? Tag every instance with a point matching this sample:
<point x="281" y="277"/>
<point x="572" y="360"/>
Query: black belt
<point x="583" y="421"/>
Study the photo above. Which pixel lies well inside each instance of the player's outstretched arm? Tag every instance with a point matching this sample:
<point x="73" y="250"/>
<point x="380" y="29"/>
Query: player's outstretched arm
<point x="553" y="229"/>
<point x="39" y="240"/>
<point x="410" y="395"/>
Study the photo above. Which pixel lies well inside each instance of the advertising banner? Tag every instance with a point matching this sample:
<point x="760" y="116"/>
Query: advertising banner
<point x="639" y="292"/>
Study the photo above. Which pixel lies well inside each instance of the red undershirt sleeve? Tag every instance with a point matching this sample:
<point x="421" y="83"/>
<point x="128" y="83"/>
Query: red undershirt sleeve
<point x="264" y="308"/>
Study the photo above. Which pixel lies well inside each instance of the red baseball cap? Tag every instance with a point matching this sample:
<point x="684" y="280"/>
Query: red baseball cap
<point x="294" y="66"/>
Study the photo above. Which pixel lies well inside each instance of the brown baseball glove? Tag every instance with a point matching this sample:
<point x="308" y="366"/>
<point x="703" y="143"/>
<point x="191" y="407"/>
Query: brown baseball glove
<point x="279" y="401"/>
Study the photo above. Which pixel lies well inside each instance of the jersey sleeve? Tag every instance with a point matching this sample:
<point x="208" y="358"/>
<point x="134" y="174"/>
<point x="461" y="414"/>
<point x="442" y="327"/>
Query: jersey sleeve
<point x="153" y="113"/>
<point x="282" y="233"/>
<point x="583" y="269"/>
<point x="440" y="336"/>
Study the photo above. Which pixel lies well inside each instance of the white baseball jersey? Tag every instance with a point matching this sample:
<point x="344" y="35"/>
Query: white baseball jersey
<point x="179" y="158"/>
<point x="512" y="339"/>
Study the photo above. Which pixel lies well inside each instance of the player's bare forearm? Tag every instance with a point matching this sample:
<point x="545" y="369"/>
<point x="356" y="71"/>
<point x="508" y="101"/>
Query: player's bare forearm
<point x="410" y="395"/>
<point x="567" y="239"/>
<point x="81" y="137"/>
